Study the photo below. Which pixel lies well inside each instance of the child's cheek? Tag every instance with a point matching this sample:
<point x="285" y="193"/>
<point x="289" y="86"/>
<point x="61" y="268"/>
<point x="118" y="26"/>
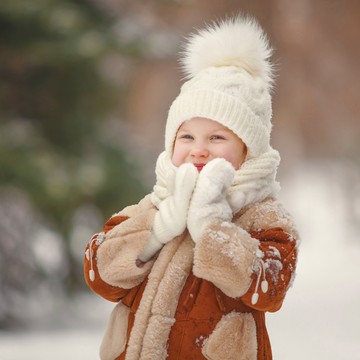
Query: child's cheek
<point x="177" y="159"/>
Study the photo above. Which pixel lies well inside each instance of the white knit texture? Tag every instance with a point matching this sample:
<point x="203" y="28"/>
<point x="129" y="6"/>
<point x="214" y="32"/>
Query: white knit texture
<point x="170" y="220"/>
<point x="230" y="79"/>
<point x="208" y="203"/>
<point x="253" y="181"/>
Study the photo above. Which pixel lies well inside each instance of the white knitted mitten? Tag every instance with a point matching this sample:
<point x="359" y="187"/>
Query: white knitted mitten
<point x="209" y="202"/>
<point x="170" y="220"/>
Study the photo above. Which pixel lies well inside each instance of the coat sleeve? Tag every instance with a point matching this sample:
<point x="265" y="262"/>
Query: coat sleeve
<point x="252" y="258"/>
<point x="109" y="261"/>
<point x="274" y="270"/>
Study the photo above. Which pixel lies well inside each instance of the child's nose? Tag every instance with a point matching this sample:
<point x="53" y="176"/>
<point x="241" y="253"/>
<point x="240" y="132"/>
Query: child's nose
<point x="199" y="151"/>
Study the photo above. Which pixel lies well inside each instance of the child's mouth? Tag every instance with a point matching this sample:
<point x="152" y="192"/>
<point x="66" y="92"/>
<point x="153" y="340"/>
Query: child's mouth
<point x="199" y="166"/>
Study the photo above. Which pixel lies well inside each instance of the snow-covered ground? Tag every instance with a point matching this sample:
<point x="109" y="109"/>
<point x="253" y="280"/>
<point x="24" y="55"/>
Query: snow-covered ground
<point x="77" y="337"/>
<point x="319" y="318"/>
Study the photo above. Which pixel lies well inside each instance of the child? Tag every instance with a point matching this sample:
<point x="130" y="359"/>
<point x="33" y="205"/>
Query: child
<point x="195" y="265"/>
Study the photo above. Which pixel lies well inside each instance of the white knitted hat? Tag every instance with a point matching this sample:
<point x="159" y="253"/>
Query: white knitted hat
<point x="230" y="79"/>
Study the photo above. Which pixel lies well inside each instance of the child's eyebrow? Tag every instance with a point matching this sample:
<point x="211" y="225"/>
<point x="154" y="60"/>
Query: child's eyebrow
<point x="183" y="129"/>
<point x="219" y="130"/>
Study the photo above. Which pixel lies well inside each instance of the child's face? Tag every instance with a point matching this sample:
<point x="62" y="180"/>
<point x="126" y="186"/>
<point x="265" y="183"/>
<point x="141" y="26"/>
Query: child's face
<point x="201" y="140"/>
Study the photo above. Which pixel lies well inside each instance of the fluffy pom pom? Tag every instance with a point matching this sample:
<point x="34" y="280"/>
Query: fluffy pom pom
<point x="238" y="41"/>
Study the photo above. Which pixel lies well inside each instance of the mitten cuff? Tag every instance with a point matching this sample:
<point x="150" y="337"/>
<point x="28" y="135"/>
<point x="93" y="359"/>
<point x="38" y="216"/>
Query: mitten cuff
<point x="167" y="224"/>
<point x="150" y="249"/>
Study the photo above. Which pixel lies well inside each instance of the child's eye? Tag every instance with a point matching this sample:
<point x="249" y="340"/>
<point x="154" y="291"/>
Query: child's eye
<point x="216" y="137"/>
<point x="186" y="137"/>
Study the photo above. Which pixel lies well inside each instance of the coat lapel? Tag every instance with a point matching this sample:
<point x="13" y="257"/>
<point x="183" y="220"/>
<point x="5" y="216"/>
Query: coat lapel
<point x="156" y="312"/>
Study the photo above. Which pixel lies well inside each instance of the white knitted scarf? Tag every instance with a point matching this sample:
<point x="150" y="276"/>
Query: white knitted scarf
<point x="253" y="181"/>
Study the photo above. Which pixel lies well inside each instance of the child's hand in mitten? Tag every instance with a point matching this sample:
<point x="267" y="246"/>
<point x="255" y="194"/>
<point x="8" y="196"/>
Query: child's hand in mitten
<point x="170" y="220"/>
<point x="209" y="202"/>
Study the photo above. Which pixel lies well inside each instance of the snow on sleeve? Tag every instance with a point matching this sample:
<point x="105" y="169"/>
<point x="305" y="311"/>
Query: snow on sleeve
<point x="269" y="214"/>
<point x="225" y="255"/>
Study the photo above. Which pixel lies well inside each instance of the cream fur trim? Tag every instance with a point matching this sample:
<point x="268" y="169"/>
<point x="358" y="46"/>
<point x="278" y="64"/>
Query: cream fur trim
<point x="115" y="336"/>
<point x="155" y="340"/>
<point x="225" y="255"/>
<point x="266" y="215"/>
<point x="165" y="303"/>
<point x="237" y="329"/>
<point x="156" y="311"/>
<point x="117" y="254"/>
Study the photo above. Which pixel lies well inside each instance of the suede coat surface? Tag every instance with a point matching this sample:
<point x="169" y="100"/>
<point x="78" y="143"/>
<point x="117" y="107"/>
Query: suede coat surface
<point x="193" y="301"/>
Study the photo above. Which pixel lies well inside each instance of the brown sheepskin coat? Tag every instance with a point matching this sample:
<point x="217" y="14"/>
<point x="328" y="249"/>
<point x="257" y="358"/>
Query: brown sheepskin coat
<point x="194" y="301"/>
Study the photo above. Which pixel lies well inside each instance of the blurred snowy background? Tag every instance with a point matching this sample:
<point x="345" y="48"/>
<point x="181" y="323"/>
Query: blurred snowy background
<point x="85" y="87"/>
